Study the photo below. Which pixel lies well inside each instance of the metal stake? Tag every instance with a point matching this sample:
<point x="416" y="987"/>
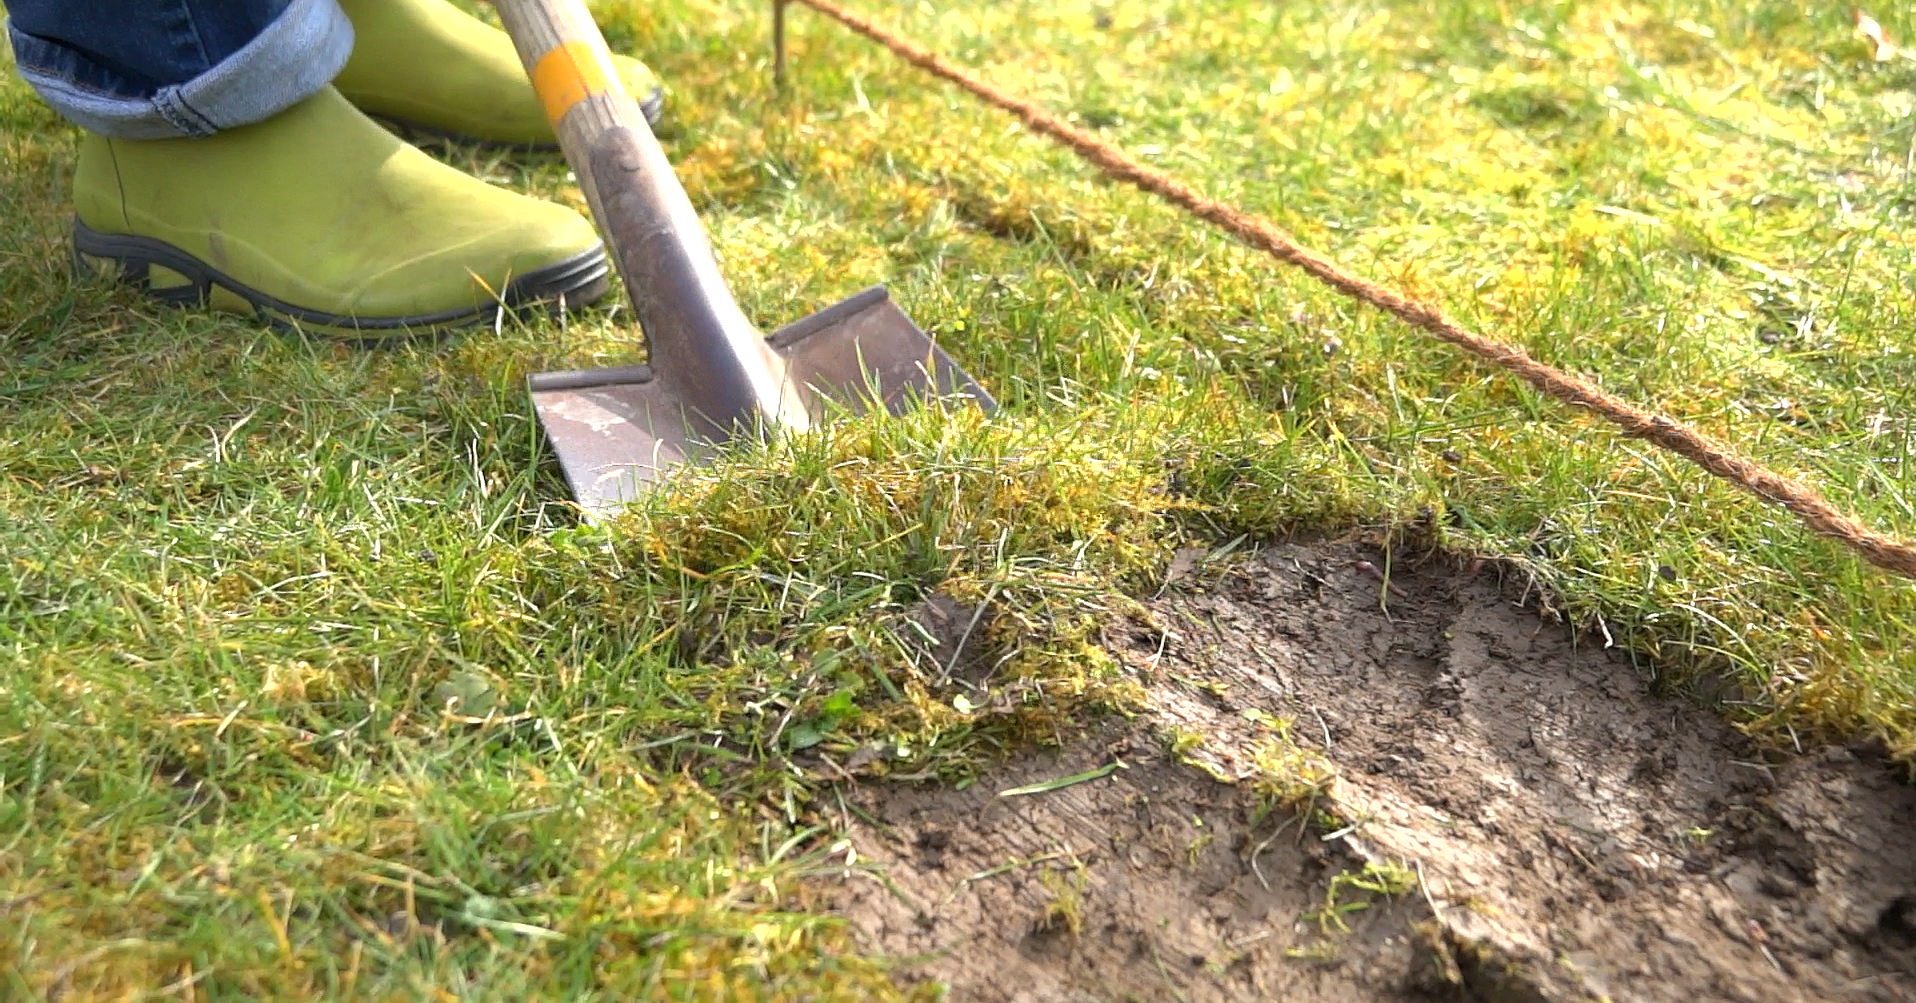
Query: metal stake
<point x="778" y="43"/>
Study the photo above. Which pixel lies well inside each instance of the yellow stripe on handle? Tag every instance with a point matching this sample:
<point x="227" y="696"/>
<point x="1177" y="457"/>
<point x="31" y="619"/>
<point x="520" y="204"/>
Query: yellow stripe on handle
<point x="571" y="73"/>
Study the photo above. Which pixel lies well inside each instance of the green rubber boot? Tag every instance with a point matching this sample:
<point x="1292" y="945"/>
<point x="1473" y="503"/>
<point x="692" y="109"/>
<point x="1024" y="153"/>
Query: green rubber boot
<point x="432" y="70"/>
<point x="319" y="218"/>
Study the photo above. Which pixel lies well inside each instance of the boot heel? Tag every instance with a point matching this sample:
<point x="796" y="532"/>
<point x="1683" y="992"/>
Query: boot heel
<point x="171" y="278"/>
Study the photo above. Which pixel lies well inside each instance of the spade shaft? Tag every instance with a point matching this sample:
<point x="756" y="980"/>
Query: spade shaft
<point x="719" y="362"/>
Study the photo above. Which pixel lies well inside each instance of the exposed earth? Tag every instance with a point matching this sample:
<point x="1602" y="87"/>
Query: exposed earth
<point x="1577" y="835"/>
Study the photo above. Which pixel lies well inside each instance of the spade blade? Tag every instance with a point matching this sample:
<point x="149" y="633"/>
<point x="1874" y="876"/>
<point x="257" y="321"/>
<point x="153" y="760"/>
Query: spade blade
<point x="617" y="432"/>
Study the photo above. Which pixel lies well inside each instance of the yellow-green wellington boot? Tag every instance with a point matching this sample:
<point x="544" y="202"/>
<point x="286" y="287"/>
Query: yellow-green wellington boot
<point x="319" y="217"/>
<point x="431" y="69"/>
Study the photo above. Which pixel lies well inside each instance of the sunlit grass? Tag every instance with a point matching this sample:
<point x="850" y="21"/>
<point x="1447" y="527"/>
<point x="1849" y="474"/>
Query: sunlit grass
<point x="314" y="686"/>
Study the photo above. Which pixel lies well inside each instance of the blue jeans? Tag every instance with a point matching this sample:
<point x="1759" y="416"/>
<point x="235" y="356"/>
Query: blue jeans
<point x="158" y="69"/>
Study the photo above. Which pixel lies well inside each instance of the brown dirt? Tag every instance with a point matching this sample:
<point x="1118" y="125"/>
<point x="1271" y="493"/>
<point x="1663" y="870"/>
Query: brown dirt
<point x="1579" y="836"/>
<point x="1150" y="866"/>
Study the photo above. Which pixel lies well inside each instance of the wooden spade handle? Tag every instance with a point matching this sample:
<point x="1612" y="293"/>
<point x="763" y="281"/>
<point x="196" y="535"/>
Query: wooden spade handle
<point x="701" y="346"/>
<point x="572" y="72"/>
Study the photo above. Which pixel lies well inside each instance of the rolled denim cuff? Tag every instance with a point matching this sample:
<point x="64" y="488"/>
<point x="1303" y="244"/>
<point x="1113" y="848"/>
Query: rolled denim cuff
<point x="293" y="59"/>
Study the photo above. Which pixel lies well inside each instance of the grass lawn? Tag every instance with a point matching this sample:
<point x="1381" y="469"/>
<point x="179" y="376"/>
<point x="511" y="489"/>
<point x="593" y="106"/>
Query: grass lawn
<point x="243" y="576"/>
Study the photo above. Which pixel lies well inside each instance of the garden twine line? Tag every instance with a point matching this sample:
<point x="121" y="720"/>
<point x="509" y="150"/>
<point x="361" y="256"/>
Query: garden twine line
<point x="1882" y="550"/>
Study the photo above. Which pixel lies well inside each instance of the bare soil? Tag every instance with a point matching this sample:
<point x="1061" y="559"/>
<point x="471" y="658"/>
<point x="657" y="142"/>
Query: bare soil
<point x="1578" y="836"/>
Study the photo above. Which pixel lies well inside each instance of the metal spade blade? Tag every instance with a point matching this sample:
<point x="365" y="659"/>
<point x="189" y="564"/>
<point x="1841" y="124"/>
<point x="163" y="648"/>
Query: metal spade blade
<point x="617" y="430"/>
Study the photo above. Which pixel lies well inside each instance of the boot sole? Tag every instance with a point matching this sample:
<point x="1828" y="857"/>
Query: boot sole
<point x="653" y="108"/>
<point x="172" y="276"/>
